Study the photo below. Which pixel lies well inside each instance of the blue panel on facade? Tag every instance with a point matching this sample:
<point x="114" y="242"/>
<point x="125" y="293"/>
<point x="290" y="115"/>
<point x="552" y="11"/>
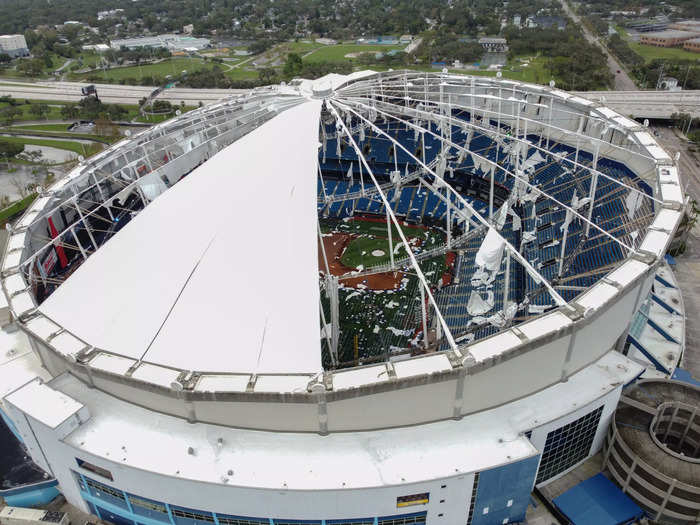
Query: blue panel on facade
<point x="113" y="517"/>
<point x="598" y="500"/>
<point x="504" y="493"/>
<point x="31" y="497"/>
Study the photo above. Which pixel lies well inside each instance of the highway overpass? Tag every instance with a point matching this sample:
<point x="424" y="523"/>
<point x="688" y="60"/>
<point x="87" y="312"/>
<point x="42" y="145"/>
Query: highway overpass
<point x="109" y="93"/>
<point x="648" y="104"/>
<point x="638" y="104"/>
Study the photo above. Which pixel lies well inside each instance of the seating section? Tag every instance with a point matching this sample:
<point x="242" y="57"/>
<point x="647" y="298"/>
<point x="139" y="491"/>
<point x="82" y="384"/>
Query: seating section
<point x="558" y="170"/>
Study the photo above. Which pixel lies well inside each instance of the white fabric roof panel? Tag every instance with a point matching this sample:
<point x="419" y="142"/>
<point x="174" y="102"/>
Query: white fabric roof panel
<point x="229" y="286"/>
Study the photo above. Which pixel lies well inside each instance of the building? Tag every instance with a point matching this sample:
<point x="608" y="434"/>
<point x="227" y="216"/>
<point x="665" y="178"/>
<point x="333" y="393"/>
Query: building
<point x="171" y="42"/>
<point x="494" y="44"/>
<point x="692" y="45"/>
<point x="547" y="22"/>
<point x="686" y="25"/>
<point x="98" y="48"/>
<point x="669" y="84"/>
<point x="253" y="376"/>
<point x="406" y="39"/>
<point x="188" y="29"/>
<point x="669" y="38"/>
<point x="374" y="40"/>
<point x="112" y="13"/>
<point x="647" y="25"/>
<point x="14" y="45"/>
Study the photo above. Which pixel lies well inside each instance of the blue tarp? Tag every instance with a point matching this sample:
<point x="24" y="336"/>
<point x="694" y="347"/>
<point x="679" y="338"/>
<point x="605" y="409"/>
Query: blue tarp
<point x="598" y="501"/>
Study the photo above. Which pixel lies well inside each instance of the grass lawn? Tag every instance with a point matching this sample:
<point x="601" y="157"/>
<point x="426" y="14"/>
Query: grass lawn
<point x="359" y="252"/>
<point x="15" y="208"/>
<point x="298" y="47"/>
<point x="172" y="66"/>
<point x="649" y="53"/>
<point x="240" y="73"/>
<point x="53" y="114"/>
<point x="76" y="147"/>
<point x="373" y="236"/>
<point x="337" y="53"/>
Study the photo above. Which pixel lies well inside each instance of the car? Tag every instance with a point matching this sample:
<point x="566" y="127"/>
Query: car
<point x="618" y="71"/>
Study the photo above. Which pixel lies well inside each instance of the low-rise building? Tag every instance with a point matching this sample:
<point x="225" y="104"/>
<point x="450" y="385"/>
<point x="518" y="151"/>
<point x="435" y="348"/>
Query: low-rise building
<point x="670" y="38"/>
<point x="692" y="45"/>
<point x="406" y="39"/>
<point x="14" y="45"/>
<point x="494" y="44"/>
<point x="686" y="25"/>
<point x="188" y="29"/>
<point x="101" y="15"/>
<point x="171" y="42"/>
<point x="99" y="48"/>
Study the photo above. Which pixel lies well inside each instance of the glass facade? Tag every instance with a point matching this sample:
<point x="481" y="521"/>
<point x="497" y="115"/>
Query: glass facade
<point x="123" y="508"/>
<point x="568" y="445"/>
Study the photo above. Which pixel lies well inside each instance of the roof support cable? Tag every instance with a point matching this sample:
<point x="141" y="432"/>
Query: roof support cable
<point x="394" y="220"/>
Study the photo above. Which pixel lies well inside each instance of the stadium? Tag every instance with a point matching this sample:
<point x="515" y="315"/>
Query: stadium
<point x="380" y="298"/>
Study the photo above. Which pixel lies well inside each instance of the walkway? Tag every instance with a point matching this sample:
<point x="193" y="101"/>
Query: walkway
<point x="687" y="268"/>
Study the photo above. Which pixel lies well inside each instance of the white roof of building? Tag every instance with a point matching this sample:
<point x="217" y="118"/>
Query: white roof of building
<point x="219" y="273"/>
<point x="308" y="461"/>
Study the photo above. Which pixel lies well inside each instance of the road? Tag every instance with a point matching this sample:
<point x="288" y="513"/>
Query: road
<point x="687" y="268"/>
<point x="623" y="82"/>
<point x="110" y="93"/>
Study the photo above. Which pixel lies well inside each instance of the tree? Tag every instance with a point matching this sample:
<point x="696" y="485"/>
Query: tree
<point x="70" y="111"/>
<point x="293" y="65"/>
<point x="10" y="149"/>
<point x="10" y="114"/>
<point x="31" y="67"/>
<point x="5" y="58"/>
<point x="267" y="75"/>
<point x="39" y="110"/>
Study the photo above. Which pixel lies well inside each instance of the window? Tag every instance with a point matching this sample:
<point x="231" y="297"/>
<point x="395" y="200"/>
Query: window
<point x="351" y="521"/>
<point x="106" y="493"/>
<point x="406" y="519"/>
<point x="149" y="508"/>
<point x="185" y="516"/>
<point x="475" y="489"/>
<point x="238" y="520"/>
<point x="568" y="445"/>
<point x="296" y="522"/>
<point x="413" y="499"/>
<point x="103" y="472"/>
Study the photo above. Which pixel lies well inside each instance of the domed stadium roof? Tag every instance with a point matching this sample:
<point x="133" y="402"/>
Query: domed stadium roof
<point x="414" y="223"/>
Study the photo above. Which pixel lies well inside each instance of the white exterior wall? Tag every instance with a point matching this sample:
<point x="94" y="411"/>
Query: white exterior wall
<point x="243" y="501"/>
<point x="13" y="45"/>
